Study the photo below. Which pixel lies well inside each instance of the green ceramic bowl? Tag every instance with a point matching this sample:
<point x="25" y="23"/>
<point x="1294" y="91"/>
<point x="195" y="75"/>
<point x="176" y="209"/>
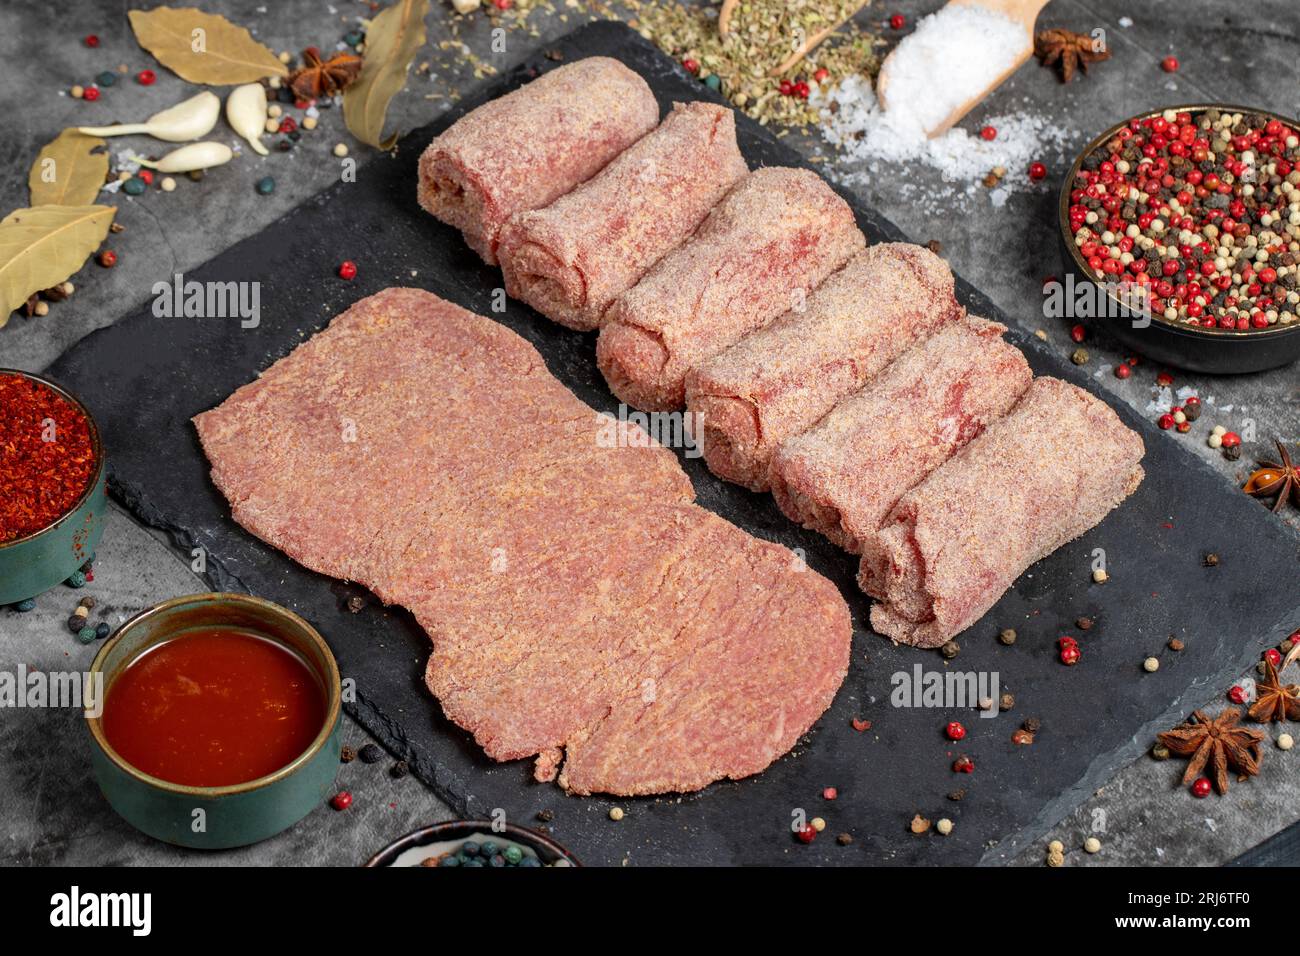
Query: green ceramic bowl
<point x="33" y="564"/>
<point x="234" y="815"/>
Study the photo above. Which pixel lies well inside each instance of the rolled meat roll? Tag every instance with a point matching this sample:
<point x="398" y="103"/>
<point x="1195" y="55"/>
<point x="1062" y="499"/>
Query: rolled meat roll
<point x="778" y="381"/>
<point x="1038" y="478"/>
<point x="571" y="259"/>
<point x="764" y="248"/>
<point x="526" y="149"/>
<point x="842" y="476"/>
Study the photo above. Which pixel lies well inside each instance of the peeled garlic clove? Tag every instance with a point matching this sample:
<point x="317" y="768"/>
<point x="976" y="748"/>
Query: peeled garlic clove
<point x="192" y="157"/>
<point x="246" y="113"/>
<point x="191" y="119"/>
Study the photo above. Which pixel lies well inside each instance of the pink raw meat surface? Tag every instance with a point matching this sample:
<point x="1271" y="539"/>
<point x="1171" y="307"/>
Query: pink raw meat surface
<point x="582" y="609"/>
<point x="1040" y="477"/>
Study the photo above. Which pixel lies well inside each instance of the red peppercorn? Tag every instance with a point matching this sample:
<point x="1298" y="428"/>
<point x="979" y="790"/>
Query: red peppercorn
<point x="963" y="765"/>
<point x="786" y="87"/>
<point x="91" y="40"/>
<point x="91" y="94"/>
<point x="288" y="124"/>
<point x="1274" y="656"/>
<point x="1122" y="370"/>
<point x="1169" y="64"/>
<point x="805" y="834"/>
<point x="1037" y="171"/>
<point x="897" y="21"/>
<point x="1070" y="655"/>
<point x="107" y="258"/>
<point x="1078" y="333"/>
<point x="830" y="793"/>
<point x="1201" y="788"/>
<point x="1230" y="440"/>
<point x="692" y="66"/>
<point x="1237" y="694"/>
<point x="1165" y="421"/>
<point x="1066" y="641"/>
<point x="348" y="270"/>
<point x="146" y="175"/>
<point x="955" y="731"/>
<point x="821" y="74"/>
<point x="342" y="800"/>
<point x="503" y="4"/>
<point x="989" y="133"/>
<point x="146" y="77"/>
<point x="802" y="89"/>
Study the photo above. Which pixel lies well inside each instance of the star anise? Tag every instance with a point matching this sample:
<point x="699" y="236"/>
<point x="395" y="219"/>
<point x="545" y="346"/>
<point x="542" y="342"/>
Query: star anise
<point x="1276" y="478"/>
<point x="1071" y="50"/>
<point x="1219" y="743"/>
<point x="317" y="77"/>
<point x="1275" y="700"/>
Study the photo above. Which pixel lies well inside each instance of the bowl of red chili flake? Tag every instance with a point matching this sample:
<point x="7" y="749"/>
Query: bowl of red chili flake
<point x="1199" y="208"/>
<point x="52" y="485"/>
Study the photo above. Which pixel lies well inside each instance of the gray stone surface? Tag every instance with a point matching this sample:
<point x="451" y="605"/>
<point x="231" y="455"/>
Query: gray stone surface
<point x="52" y="813"/>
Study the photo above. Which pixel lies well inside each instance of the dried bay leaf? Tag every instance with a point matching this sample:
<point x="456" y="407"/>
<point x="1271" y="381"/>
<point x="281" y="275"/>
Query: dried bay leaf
<point x="68" y="171"/>
<point x="43" y="246"/>
<point x="203" y="47"/>
<point x="392" y="40"/>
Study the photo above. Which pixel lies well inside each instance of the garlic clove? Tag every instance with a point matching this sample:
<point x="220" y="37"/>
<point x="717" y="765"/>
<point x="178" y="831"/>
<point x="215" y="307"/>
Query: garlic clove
<point x="192" y="157"/>
<point x="246" y="113"/>
<point x="187" y="120"/>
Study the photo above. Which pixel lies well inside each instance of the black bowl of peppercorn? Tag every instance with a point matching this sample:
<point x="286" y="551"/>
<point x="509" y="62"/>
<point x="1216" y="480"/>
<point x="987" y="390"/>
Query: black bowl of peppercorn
<point x="1182" y="225"/>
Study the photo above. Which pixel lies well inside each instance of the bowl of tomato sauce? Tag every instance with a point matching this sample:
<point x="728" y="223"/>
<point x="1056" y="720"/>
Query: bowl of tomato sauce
<point x="53" y="480"/>
<point x="220" y="720"/>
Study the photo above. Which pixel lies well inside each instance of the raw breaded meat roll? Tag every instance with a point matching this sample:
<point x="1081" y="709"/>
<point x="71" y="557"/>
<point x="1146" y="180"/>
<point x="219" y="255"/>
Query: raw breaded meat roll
<point x="776" y="382"/>
<point x="769" y="243"/>
<point x="571" y="259"/>
<point x="526" y="149"/>
<point x="842" y="476"/>
<point x="1038" y="478"/>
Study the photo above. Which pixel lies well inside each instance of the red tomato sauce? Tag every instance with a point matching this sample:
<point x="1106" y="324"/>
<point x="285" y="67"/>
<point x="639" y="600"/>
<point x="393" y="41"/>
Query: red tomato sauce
<point x="214" y="707"/>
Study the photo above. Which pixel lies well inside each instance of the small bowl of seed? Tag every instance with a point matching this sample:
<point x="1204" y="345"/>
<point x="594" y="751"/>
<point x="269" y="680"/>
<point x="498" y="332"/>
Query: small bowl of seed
<point x="474" y="844"/>
<point x="1180" y="229"/>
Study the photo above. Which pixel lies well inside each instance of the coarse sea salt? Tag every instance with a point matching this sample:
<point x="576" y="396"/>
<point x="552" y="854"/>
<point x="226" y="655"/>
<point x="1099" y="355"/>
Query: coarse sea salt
<point x="951" y="57"/>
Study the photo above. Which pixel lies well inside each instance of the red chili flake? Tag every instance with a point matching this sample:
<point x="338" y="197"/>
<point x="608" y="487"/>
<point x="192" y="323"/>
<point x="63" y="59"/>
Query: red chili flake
<point x="897" y="21"/>
<point x="963" y="764"/>
<point x="342" y="800"/>
<point x="348" y="270"/>
<point x="1237" y="694"/>
<point x="1122" y="370"/>
<point x="47" y="457"/>
<point x="805" y="834"/>
<point x="146" y="77"/>
<point x="955" y="731"/>
<point x="1201" y="787"/>
<point x="91" y="40"/>
<point x="90" y="94"/>
<point x="830" y="793"/>
<point x="989" y="132"/>
<point x="861" y="725"/>
<point x="1169" y="64"/>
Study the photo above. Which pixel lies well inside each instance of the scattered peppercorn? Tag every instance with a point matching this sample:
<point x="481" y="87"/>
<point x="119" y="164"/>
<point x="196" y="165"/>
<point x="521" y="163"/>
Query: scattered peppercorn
<point x="355" y="604"/>
<point x="347" y="755"/>
<point x="830" y="793"/>
<point x="1084" y="623"/>
<point x="371" y="753"/>
<point x="102" y="630"/>
<point x="955" y="730"/>
<point x="146" y="77"/>
<point x="1122" y="370"/>
<point x="25" y="605"/>
<point x="400" y="770"/>
<point x="106" y="78"/>
<point x="1201" y="787"/>
<point x="135" y="186"/>
<point x="1006" y="701"/>
<point x="86" y="635"/>
<point x="347" y="269"/>
<point x="545" y="816"/>
<point x="805" y="834"/>
<point x="266" y="185"/>
<point x="1092" y="845"/>
<point x="1151" y="665"/>
<point x="844" y="839"/>
<point x="91" y="40"/>
<point x="1007" y="636"/>
<point x="963" y="764"/>
<point x="1159" y="752"/>
<point x="90" y="94"/>
<point x="1169" y="64"/>
<point x="107" y="258"/>
<point x="1211" y="560"/>
<point x="1237" y="694"/>
<point x="342" y="800"/>
<point x="77" y="579"/>
<point x="988" y="132"/>
<point x="950" y="650"/>
<point x="919" y="824"/>
<point x="616" y="813"/>
<point x="956" y="796"/>
<point x="1175" y="644"/>
<point x="897" y="21"/>
<point x="1037" y="171"/>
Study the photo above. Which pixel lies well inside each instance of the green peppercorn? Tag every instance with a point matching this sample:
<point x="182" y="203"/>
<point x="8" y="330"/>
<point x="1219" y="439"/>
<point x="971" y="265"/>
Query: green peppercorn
<point x="77" y="580"/>
<point x="713" y="81"/>
<point x="266" y="185"/>
<point x="513" y="854"/>
<point x="134" y="186"/>
<point x="106" y="78"/>
<point x="86" y="635"/>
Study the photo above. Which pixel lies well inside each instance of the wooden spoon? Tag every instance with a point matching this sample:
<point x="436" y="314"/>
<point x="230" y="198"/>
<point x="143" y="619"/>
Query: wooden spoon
<point x="1024" y="12"/>
<point x="810" y="43"/>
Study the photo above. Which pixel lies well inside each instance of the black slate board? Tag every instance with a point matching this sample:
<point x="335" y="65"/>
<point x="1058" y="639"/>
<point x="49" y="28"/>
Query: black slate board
<point x="1094" y="716"/>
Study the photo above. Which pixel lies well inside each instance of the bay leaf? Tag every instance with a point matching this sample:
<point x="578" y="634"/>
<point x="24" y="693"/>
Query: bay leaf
<point x="392" y="40"/>
<point x="203" y="47"/>
<point x="68" y="171"/>
<point x="43" y="246"/>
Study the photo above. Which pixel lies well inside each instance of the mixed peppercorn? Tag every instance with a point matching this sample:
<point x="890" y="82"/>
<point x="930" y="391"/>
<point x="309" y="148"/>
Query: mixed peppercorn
<point x="1203" y="210"/>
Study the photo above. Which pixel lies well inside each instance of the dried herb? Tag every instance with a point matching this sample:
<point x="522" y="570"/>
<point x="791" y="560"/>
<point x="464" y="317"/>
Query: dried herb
<point x="1218" y="744"/>
<point x="1070" y="50"/>
<point x="68" y="171"/>
<point x="203" y="47"/>
<point x="41" y="247"/>
<point x="1276" y="701"/>
<point x="317" y="77"/>
<point x="1280" y="478"/>
<point x="392" y="40"/>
